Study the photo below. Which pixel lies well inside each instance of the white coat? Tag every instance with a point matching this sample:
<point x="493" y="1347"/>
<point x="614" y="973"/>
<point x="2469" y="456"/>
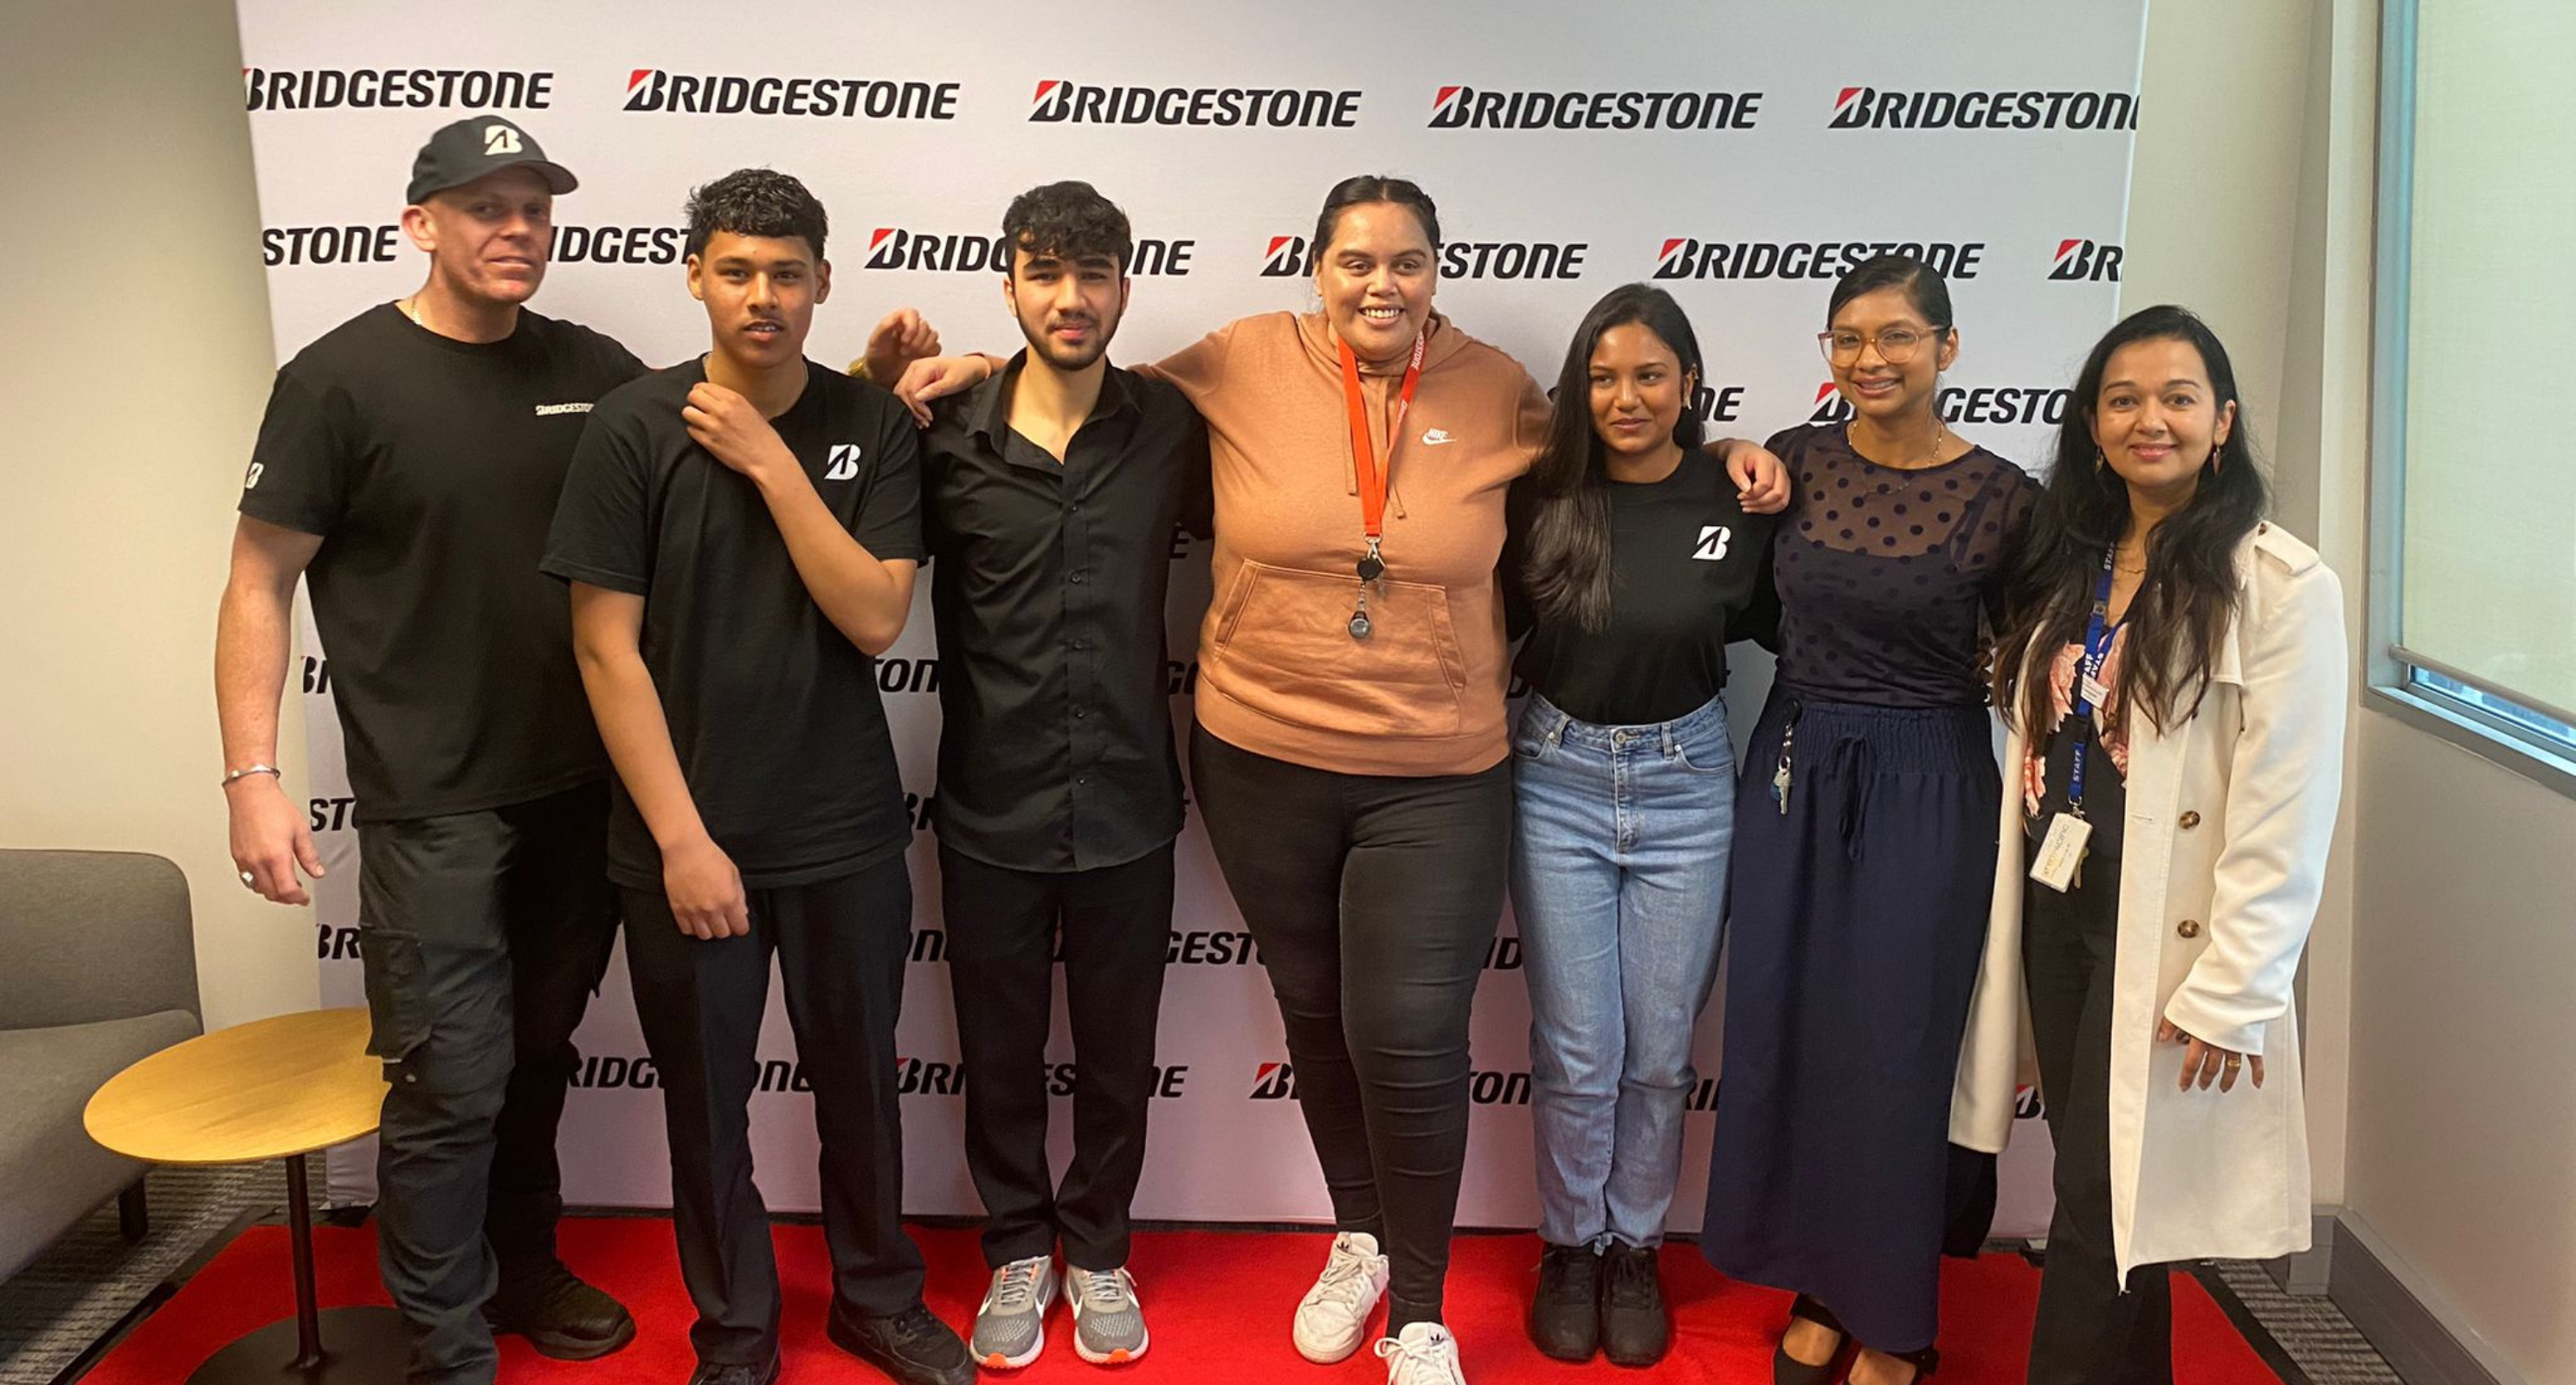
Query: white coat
<point x="2229" y="819"/>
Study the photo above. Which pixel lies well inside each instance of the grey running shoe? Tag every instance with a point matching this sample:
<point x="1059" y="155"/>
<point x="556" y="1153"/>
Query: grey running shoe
<point x="1010" y="1326"/>
<point x="1108" y="1323"/>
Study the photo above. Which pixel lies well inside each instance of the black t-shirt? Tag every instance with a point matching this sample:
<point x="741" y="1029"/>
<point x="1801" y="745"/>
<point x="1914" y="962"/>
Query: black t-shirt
<point x="429" y="467"/>
<point x="773" y="713"/>
<point x="1890" y="579"/>
<point x="1687" y="568"/>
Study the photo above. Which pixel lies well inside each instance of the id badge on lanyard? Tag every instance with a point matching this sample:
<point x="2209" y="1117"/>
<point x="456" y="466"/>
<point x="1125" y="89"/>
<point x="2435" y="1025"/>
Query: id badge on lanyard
<point x="2060" y="862"/>
<point x="1372" y="478"/>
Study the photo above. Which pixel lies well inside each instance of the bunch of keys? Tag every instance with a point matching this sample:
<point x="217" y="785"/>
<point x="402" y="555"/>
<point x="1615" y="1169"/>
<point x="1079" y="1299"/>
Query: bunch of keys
<point x="1372" y="570"/>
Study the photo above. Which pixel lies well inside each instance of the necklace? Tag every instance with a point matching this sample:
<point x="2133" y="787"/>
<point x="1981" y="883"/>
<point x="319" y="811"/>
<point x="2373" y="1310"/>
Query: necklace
<point x="411" y="309"/>
<point x="1932" y="458"/>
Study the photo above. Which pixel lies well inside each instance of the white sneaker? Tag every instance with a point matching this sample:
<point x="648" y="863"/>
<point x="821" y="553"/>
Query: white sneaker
<point x="1424" y="1354"/>
<point x="1334" y="1315"/>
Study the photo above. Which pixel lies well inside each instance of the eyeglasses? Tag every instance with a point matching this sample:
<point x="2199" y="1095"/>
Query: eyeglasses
<point x="1896" y="345"/>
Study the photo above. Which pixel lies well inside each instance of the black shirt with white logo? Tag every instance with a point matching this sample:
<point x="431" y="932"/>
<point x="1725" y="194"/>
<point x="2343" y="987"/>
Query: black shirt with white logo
<point x="429" y="468"/>
<point x="1689" y="571"/>
<point x="1055" y="751"/>
<point x="773" y="713"/>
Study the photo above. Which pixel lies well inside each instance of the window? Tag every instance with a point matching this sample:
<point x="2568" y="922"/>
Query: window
<point x="2473" y="559"/>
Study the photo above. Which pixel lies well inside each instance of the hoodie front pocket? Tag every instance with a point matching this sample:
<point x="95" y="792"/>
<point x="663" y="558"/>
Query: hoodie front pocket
<point x="1284" y="644"/>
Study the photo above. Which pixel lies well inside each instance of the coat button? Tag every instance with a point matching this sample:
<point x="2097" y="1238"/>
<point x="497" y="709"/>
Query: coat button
<point x="2189" y="928"/>
<point x="2190" y="820"/>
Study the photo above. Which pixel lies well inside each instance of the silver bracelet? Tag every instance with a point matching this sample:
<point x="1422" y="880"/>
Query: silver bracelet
<point x="247" y="771"/>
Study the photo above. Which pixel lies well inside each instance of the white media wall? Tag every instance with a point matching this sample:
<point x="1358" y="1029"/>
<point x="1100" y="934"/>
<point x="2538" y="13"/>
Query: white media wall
<point x="1739" y="155"/>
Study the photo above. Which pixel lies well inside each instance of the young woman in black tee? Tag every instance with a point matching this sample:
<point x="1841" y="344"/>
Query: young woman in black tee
<point x="1630" y="563"/>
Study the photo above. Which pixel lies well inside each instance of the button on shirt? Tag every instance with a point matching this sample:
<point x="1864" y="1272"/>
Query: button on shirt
<point x="1047" y="583"/>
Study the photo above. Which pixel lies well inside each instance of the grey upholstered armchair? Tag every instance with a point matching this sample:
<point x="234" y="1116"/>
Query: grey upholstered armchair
<point x="98" y="967"/>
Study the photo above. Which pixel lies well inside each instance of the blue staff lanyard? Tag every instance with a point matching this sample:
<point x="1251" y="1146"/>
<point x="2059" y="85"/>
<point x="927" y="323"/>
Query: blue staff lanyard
<point x="2097" y="651"/>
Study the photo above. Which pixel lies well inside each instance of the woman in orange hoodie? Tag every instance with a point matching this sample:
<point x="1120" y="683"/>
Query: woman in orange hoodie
<point x="1350" y="752"/>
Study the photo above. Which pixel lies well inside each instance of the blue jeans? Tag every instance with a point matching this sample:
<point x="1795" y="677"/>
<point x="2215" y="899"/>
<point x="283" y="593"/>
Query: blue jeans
<point x="1619" y="883"/>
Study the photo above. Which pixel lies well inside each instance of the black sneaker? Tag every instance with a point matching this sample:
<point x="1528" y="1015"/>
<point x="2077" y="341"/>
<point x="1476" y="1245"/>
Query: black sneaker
<point x="561" y="1316"/>
<point x="1636" y="1330"/>
<point x="1565" y="1313"/>
<point x="912" y="1346"/>
<point x="717" y="1373"/>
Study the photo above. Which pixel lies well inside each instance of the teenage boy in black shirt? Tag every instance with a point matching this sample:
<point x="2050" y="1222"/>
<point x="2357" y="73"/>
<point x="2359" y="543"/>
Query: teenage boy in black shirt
<point x="406" y="470"/>
<point x="1053" y="490"/>
<point x="741" y="533"/>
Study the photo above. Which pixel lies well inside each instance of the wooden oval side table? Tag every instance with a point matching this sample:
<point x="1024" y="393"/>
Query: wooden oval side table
<point x="277" y="1088"/>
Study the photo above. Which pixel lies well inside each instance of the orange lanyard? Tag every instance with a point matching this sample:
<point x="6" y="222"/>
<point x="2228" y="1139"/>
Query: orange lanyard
<point x="1363" y="455"/>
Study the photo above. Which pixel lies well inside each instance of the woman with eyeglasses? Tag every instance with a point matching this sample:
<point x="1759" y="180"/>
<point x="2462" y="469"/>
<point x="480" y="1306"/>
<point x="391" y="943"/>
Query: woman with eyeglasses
<point x="1865" y="826"/>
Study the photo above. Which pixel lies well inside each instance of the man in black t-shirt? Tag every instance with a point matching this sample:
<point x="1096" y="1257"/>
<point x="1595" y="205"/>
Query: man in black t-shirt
<point x="405" y="470"/>
<point x="741" y="534"/>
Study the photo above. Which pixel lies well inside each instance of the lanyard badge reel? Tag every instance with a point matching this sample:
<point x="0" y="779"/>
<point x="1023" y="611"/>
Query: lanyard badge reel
<point x="2060" y="862"/>
<point x="1373" y="480"/>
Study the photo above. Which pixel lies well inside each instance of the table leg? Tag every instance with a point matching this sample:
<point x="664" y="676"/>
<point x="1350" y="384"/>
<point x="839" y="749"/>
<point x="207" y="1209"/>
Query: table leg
<point x="299" y="1222"/>
<point x="345" y="1346"/>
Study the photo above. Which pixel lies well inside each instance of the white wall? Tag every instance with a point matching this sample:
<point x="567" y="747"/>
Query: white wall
<point x="2462" y="1173"/>
<point x="2442" y="1099"/>
<point x="134" y="338"/>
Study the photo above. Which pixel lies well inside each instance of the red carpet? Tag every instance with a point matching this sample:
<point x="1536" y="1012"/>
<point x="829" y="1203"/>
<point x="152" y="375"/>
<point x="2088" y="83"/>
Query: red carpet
<point x="1218" y="1303"/>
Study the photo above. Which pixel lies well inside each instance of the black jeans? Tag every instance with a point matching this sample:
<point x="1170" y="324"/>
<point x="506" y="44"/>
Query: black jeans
<point x="1003" y="925"/>
<point x="1374" y="900"/>
<point x="2090" y="1330"/>
<point x="484" y="935"/>
<point x="841" y="946"/>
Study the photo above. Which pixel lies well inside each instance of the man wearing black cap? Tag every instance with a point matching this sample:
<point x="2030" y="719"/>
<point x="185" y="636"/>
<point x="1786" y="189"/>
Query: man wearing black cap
<point x="407" y="469"/>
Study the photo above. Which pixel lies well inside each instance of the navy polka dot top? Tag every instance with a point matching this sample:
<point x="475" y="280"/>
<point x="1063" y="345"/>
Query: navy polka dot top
<point x="1890" y="580"/>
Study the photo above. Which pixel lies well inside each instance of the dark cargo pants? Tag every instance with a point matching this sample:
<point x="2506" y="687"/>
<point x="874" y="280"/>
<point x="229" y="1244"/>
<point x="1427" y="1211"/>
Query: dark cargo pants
<point x="484" y="936"/>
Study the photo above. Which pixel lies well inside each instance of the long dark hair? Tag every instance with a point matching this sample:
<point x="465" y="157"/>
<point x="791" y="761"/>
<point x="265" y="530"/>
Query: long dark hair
<point x="1566" y="564"/>
<point x="2181" y="611"/>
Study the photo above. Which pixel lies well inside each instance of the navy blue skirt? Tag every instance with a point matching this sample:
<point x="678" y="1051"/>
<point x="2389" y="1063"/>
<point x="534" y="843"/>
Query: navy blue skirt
<point x="1856" y="921"/>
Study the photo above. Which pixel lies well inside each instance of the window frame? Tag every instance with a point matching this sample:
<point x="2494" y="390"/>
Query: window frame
<point x="2483" y="718"/>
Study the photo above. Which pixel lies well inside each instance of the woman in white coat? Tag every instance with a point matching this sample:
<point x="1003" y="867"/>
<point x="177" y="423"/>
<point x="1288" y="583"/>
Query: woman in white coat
<point x="2173" y="673"/>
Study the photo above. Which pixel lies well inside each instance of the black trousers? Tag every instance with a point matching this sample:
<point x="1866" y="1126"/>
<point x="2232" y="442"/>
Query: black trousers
<point x="484" y="936"/>
<point x="2091" y="1329"/>
<point x="1003" y="925"/>
<point x="1374" y="900"/>
<point x="841" y="946"/>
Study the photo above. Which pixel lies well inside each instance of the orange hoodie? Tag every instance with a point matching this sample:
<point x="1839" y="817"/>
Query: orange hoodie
<point x="1279" y="673"/>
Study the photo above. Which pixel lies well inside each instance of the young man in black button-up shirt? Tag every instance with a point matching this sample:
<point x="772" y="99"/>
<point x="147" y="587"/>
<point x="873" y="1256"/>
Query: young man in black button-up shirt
<point x="1052" y="493"/>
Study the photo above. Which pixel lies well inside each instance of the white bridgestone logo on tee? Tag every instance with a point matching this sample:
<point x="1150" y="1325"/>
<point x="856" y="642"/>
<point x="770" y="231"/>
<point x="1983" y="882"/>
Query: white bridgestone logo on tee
<point x="844" y="463"/>
<point x="1712" y="543"/>
<point x="250" y="481"/>
<point x="500" y="139"/>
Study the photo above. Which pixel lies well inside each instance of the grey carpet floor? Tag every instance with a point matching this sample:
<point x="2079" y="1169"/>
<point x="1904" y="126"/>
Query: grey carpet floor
<point x="92" y="1282"/>
<point x="2311" y="1331"/>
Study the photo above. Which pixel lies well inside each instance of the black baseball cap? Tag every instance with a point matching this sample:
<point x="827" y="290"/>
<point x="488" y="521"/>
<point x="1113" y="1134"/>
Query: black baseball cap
<point x="467" y="149"/>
